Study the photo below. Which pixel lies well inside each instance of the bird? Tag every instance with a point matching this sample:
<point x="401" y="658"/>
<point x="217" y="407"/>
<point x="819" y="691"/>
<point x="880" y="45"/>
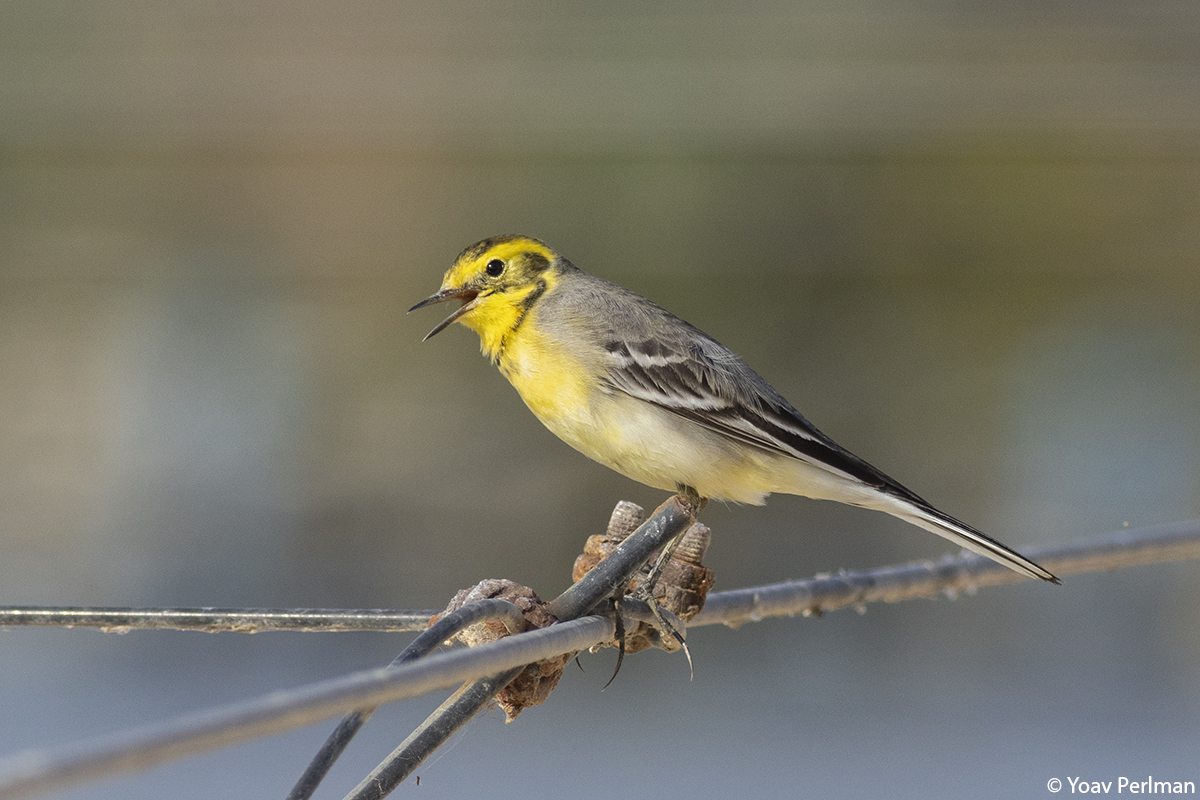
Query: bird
<point x="639" y="390"/>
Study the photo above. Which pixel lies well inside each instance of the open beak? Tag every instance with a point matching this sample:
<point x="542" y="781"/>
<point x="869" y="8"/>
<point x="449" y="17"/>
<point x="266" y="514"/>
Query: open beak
<point x="467" y="296"/>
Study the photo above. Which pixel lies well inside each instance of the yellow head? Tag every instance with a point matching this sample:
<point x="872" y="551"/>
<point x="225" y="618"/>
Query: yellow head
<point x="497" y="281"/>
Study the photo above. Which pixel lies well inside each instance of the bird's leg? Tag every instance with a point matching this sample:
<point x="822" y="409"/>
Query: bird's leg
<point x="645" y="590"/>
<point x="660" y="564"/>
<point x="695" y="502"/>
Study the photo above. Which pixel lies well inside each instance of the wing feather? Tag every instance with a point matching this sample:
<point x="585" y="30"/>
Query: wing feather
<point x="709" y="385"/>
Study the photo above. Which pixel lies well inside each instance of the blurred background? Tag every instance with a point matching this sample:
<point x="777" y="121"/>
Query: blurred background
<point x="964" y="239"/>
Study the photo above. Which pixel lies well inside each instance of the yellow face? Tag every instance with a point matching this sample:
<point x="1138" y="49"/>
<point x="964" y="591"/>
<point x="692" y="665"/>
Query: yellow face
<point x="496" y="280"/>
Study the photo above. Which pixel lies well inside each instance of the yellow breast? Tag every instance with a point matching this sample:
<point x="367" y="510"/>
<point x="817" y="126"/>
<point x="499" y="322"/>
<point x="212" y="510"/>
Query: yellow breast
<point x="555" y="384"/>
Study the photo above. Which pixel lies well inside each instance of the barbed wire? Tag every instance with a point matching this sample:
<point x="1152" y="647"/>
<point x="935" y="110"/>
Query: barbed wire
<point x="34" y="772"/>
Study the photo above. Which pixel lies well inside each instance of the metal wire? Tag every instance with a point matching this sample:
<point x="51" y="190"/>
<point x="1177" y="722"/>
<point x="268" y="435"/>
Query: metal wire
<point x="457" y="711"/>
<point x="218" y="620"/>
<point x="40" y="771"/>
<point x="670" y="520"/>
<point x="446" y="626"/>
<point x="29" y="773"/>
<point x="666" y="525"/>
<point x="950" y="575"/>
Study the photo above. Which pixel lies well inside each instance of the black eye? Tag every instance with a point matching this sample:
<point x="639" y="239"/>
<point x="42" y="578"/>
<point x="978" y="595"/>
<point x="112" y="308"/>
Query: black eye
<point x="494" y="268"/>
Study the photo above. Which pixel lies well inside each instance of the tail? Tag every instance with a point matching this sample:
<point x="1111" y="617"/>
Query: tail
<point x="926" y="516"/>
